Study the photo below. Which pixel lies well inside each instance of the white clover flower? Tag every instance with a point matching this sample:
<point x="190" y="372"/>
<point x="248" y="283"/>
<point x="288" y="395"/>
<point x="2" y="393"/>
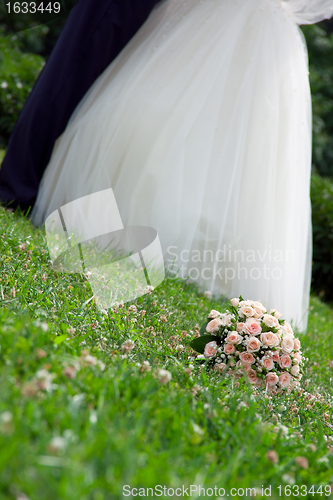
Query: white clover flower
<point x="101" y="365"/>
<point x="164" y="376"/>
<point x="128" y="346"/>
<point x="45" y="378"/>
<point x="145" y="366"/>
<point x="58" y="443"/>
<point x="90" y="359"/>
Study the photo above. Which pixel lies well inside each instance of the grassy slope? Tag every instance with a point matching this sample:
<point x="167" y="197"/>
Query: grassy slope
<point x="93" y="420"/>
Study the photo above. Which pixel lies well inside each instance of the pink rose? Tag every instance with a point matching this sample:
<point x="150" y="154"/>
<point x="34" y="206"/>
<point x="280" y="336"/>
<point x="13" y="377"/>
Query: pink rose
<point x="277" y="314"/>
<point x="270" y="321"/>
<point x="246" y="358"/>
<point x="275" y="356"/>
<point x="258" y="305"/>
<point x="245" y="303"/>
<point x="246" y="311"/>
<point x="298" y="356"/>
<point x="252" y="376"/>
<point x="214" y="325"/>
<point x="271" y="378"/>
<point x="240" y="326"/>
<point x="213" y="314"/>
<point x="268" y="363"/>
<point x="229" y="348"/>
<point x="257" y="313"/>
<point x="259" y="382"/>
<point x="285" y="361"/>
<point x="270" y="339"/>
<point x="285" y="379"/>
<point x="252" y="326"/>
<point x="297" y="344"/>
<point x="220" y="367"/>
<point x="287" y="344"/>
<point x="210" y="349"/>
<point x="287" y="328"/>
<point x="253" y="344"/>
<point x="294" y="370"/>
<point x="234" y="338"/>
<point x="235" y="302"/>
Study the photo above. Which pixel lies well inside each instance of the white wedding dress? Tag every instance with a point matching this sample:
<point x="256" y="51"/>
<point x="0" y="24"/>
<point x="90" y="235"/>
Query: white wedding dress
<point x="202" y="128"/>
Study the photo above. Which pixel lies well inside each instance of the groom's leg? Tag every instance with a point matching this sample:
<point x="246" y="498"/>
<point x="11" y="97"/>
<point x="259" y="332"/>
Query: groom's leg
<point x="94" y="34"/>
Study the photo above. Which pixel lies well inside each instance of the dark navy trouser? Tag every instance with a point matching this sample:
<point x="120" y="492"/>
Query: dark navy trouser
<point x="94" y="34"/>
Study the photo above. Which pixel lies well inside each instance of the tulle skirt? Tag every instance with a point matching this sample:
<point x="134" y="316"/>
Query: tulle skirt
<point x="202" y="128"/>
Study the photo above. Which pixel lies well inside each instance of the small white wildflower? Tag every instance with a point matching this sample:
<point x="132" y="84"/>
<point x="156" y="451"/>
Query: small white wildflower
<point x="93" y="418"/>
<point x="45" y="378"/>
<point x="197" y="429"/>
<point x="91" y="359"/>
<point x="128" y="346"/>
<point x="44" y="326"/>
<point x="242" y="404"/>
<point x="71" y="331"/>
<point x="6" y="417"/>
<point x="164" y="376"/>
<point x="58" y="443"/>
<point x="101" y="365"/>
<point x="145" y="367"/>
<point x="284" y="429"/>
<point x="22" y="496"/>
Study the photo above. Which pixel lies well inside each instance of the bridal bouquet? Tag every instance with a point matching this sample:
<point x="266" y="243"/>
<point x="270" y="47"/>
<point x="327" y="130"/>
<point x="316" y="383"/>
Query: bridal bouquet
<point x="247" y="339"/>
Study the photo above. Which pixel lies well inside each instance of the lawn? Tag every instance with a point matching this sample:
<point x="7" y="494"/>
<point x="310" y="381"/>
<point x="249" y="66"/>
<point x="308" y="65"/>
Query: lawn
<point x="87" y="414"/>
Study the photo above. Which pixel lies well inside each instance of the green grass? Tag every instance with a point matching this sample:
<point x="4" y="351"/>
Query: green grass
<point x="79" y="419"/>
